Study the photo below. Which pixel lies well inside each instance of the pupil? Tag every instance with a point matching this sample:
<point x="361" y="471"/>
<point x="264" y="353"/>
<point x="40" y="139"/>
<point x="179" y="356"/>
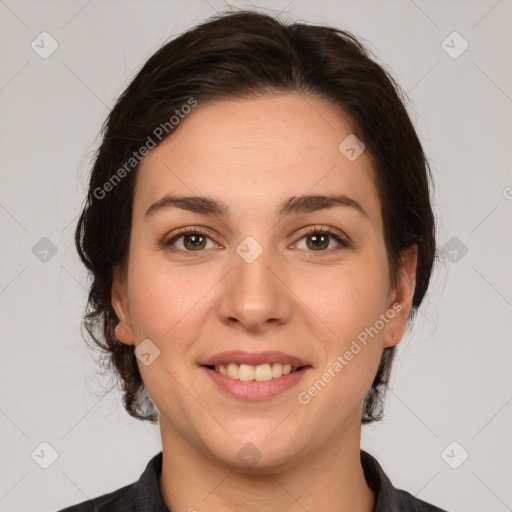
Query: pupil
<point x="197" y="243"/>
<point x="318" y="240"/>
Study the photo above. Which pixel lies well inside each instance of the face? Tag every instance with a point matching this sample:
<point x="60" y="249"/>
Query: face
<point x="263" y="272"/>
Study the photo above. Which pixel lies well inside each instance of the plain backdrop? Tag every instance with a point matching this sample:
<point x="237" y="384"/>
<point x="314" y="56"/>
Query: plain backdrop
<point x="451" y="392"/>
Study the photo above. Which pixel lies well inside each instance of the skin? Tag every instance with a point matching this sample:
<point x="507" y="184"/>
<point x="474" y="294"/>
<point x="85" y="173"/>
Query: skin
<point x="253" y="154"/>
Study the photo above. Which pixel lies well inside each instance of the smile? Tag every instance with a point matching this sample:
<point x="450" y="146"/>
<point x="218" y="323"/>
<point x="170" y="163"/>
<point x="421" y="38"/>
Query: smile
<point x="260" y="373"/>
<point x="254" y="375"/>
<point x="252" y="389"/>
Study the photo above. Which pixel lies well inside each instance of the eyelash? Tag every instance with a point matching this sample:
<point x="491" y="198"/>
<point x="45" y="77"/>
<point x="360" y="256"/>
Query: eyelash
<point x="316" y="230"/>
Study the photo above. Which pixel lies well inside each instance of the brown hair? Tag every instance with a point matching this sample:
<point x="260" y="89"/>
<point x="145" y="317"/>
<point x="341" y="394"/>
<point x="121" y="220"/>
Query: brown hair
<point x="242" y="54"/>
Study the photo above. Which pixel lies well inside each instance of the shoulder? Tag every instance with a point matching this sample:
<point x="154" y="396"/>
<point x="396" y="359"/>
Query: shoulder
<point x="144" y="495"/>
<point x="387" y="497"/>
<point x="408" y="502"/>
<point x="116" y="501"/>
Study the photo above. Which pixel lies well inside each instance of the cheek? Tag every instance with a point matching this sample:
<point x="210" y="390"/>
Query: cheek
<point x="350" y="302"/>
<point x="164" y="307"/>
<point x="164" y="300"/>
<point x="348" y="298"/>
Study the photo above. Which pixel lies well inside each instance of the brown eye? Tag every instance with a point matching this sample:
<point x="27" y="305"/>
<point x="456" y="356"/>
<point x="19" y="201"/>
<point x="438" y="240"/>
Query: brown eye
<point x="192" y="242"/>
<point x="319" y="240"/>
<point x="189" y="240"/>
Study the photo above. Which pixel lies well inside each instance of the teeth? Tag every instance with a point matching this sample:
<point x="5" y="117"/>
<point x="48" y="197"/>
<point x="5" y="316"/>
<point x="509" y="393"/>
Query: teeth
<point x="260" y="373"/>
<point x="277" y="370"/>
<point x="263" y="372"/>
<point x="232" y="370"/>
<point x="246" y="372"/>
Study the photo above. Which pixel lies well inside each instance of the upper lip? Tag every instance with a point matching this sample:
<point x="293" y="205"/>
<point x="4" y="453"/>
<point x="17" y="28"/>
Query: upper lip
<point x="253" y="358"/>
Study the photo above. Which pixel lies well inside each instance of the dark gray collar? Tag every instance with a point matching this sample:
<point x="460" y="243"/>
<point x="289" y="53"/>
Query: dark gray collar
<point x="148" y="497"/>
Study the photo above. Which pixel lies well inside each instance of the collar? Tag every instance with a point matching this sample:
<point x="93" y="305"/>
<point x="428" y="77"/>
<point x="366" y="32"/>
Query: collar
<point x="148" y="497"/>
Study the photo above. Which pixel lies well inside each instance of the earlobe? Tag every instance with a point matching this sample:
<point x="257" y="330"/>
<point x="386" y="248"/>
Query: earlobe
<point x="396" y="327"/>
<point x="123" y="329"/>
<point x="124" y="333"/>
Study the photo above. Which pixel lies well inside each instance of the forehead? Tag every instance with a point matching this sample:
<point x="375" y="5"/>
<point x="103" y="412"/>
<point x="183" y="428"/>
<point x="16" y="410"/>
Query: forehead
<point x="259" y="150"/>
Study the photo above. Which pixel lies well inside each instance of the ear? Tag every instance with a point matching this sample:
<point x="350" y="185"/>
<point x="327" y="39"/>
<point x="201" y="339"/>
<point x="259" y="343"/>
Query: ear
<point x="119" y="297"/>
<point x="401" y="297"/>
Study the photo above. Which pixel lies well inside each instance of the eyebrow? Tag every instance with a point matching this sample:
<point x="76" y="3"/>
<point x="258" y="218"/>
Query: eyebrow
<point x="293" y="205"/>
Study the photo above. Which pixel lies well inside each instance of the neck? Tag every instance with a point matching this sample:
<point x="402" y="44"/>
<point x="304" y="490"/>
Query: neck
<point x="326" y="478"/>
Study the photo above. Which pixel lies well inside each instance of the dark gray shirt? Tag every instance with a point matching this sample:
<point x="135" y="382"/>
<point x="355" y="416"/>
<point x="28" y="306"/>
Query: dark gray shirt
<point x="145" y="495"/>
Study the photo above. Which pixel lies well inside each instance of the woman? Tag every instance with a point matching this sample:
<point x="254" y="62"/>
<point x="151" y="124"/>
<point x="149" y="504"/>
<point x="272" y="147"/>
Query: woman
<point x="259" y="231"/>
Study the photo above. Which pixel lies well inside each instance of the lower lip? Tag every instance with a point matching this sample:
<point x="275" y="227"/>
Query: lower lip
<point x="253" y="389"/>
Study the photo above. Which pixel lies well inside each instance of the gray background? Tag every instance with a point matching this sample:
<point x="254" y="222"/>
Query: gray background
<point x="452" y="378"/>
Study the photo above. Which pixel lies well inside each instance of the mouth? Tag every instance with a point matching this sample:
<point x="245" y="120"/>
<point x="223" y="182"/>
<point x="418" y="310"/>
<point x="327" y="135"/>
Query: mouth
<point x="261" y="373"/>
<point x="254" y="376"/>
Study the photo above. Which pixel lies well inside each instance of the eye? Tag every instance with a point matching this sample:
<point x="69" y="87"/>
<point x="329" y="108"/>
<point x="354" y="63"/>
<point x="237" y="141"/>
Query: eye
<point x="318" y="239"/>
<point x="194" y="240"/>
<point x="191" y="239"/>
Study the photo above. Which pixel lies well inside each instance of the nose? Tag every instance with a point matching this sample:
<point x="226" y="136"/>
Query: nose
<point x="254" y="293"/>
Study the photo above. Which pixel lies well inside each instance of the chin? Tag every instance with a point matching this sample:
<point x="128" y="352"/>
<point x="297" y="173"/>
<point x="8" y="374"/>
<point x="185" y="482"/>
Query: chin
<point x="253" y="454"/>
